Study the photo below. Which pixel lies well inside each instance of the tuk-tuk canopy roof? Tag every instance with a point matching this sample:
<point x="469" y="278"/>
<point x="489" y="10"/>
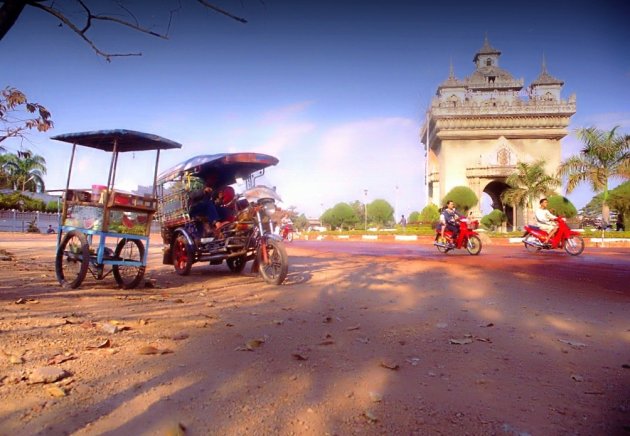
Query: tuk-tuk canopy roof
<point x="227" y="167"/>
<point x="127" y="140"/>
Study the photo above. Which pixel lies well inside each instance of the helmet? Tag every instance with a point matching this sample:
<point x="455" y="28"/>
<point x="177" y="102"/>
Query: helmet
<point x="228" y="195"/>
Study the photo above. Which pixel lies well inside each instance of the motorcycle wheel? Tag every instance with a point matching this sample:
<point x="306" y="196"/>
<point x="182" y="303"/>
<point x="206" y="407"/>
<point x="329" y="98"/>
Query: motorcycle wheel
<point x="574" y="245"/>
<point x="275" y="270"/>
<point x="290" y="236"/>
<point x="182" y="253"/>
<point x="441" y="240"/>
<point x="72" y="260"/>
<point x="236" y="264"/>
<point x="473" y="245"/>
<point x="531" y="248"/>
<point x="128" y="276"/>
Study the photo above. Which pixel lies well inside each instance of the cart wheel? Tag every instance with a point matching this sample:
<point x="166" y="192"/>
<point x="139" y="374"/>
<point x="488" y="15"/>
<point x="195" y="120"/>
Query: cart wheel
<point x="72" y="260"/>
<point x="236" y="264"/>
<point x="182" y="253"/>
<point x="275" y="270"/>
<point x="129" y="276"/>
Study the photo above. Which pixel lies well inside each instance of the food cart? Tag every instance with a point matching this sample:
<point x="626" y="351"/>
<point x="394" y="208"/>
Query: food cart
<point x="103" y="230"/>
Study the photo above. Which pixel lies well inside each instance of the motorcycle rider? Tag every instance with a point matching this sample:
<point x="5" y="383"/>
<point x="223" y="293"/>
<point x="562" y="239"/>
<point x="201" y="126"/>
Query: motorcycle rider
<point x="451" y="220"/>
<point x="546" y="220"/>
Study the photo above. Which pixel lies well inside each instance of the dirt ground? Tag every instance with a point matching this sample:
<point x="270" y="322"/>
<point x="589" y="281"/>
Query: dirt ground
<point x="350" y="344"/>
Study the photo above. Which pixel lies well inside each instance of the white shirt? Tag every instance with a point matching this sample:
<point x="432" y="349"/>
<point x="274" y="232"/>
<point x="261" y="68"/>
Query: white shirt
<point x="543" y="216"/>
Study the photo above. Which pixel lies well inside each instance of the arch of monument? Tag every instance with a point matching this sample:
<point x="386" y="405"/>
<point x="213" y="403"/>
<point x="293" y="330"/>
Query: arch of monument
<point x="478" y="128"/>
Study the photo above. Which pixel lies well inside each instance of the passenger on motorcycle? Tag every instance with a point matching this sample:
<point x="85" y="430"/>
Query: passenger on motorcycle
<point x="546" y="220"/>
<point x="450" y="218"/>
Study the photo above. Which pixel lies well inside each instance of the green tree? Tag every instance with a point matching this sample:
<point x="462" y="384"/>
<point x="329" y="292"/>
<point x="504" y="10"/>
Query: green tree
<point x="605" y="155"/>
<point x="26" y="171"/>
<point x="5" y="177"/>
<point x="300" y="222"/>
<point x="430" y="214"/>
<point x="53" y="207"/>
<point x="380" y="212"/>
<point x="340" y="216"/>
<point x="528" y="183"/>
<point x="414" y="217"/>
<point x="463" y="197"/>
<point x="619" y="200"/>
<point x="19" y="201"/>
<point x="359" y="210"/>
<point x="559" y="205"/>
<point x="494" y="219"/>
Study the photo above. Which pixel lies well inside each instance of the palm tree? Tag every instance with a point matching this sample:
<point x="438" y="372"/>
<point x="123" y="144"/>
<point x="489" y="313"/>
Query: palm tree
<point x="605" y="155"/>
<point x="528" y="183"/>
<point x="5" y="177"/>
<point x="26" y="170"/>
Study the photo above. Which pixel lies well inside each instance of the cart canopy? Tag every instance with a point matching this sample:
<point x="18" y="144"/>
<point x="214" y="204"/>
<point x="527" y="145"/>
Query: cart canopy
<point x="227" y="167"/>
<point x="125" y="140"/>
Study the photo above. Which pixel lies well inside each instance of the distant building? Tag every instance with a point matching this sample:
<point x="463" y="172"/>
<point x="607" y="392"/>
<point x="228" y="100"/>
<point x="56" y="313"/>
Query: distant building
<point x="477" y="129"/>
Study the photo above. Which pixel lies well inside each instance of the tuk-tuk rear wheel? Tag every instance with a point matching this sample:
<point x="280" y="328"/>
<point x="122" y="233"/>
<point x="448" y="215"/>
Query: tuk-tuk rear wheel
<point x="236" y="264"/>
<point x="182" y="253"/>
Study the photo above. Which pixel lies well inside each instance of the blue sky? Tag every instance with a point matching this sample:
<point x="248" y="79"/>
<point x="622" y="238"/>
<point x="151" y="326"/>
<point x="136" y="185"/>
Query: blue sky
<point x="337" y="90"/>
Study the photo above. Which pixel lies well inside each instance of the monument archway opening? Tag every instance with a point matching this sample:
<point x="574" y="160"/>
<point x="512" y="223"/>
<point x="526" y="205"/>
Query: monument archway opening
<point x="494" y="189"/>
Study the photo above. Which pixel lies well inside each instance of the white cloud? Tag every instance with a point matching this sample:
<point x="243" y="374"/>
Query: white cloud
<point x="282" y="114"/>
<point x="284" y="137"/>
<point x="376" y="154"/>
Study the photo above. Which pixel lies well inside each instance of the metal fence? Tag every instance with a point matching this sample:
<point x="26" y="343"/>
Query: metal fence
<point x="16" y="221"/>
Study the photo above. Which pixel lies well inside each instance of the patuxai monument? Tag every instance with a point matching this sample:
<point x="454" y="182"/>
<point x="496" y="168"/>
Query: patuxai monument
<point x="479" y="127"/>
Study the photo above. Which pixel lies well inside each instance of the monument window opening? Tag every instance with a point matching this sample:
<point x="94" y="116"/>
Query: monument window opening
<point x="489" y="62"/>
<point x="491" y="79"/>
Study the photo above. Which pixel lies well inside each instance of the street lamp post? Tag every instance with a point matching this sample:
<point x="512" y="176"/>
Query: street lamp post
<point x="365" y="206"/>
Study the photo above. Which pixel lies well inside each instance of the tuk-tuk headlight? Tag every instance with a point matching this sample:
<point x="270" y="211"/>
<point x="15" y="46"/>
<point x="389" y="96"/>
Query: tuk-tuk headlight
<point x="270" y="208"/>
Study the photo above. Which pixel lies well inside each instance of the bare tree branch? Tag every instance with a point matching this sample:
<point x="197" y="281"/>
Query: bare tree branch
<point x="11" y="9"/>
<point x="9" y="13"/>
<point x="221" y="11"/>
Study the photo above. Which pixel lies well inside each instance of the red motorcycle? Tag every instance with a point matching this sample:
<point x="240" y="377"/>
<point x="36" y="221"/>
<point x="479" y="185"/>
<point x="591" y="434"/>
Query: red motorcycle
<point x="467" y="238"/>
<point x="570" y="240"/>
<point x="286" y="231"/>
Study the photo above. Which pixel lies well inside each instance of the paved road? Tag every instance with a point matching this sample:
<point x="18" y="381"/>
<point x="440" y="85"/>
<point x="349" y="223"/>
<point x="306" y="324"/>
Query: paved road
<point x="608" y="267"/>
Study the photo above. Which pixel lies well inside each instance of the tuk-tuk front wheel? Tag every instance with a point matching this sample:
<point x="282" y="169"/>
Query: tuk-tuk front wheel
<point x="72" y="260"/>
<point x="275" y="265"/>
<point x="129" y="276"/>
<point x="182" y="253"/>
